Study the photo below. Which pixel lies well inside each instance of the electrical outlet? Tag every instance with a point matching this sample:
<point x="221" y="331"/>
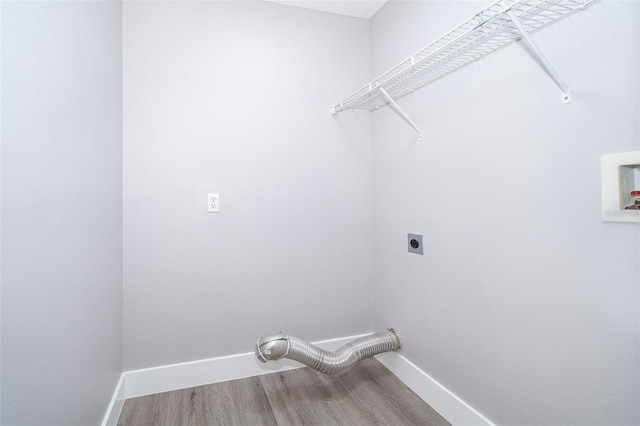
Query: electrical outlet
<point x="414" y="243"/>
<point x="213" y="203"/>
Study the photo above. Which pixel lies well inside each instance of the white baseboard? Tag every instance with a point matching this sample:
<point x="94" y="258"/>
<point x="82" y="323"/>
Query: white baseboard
<point x="116" y="404"/>
<point x="166" y="378"/>
<point x="214" y="370"/>
<point x="446" y="403"/>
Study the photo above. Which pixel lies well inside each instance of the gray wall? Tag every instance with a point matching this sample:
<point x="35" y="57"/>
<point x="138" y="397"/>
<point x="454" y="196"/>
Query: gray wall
<point x="61" y="211"/>
<point x="233" y="97"/>
<point x="524" y="304"/>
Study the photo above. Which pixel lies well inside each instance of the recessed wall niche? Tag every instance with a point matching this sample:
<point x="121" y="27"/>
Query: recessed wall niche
<point x="620" y="177"/>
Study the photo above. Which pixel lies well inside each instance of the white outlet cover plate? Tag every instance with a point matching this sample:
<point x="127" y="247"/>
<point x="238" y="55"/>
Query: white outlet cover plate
<point x="213" y="202"/>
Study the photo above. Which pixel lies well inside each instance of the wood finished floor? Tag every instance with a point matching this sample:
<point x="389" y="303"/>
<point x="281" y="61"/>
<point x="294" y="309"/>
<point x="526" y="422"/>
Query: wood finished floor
<point x="369" y="394"/>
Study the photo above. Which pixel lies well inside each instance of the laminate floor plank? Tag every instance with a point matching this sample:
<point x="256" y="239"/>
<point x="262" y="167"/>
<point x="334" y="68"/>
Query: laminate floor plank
<point x="386" y="399"/>
<point x="236" y="402"/>
<point x="299" y="398"/>
<point x="369" y="394"/>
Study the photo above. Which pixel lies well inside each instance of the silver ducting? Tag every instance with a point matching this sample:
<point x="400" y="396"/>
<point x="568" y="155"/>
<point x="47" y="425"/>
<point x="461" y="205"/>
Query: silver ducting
<point x="283" y="346"/>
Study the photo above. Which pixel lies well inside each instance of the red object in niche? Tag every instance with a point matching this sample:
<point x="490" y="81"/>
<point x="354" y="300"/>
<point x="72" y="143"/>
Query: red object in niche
<point x="636" y="204"/>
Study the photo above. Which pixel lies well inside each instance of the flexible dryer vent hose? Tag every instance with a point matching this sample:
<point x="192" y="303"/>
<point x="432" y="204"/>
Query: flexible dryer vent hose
<point x="283" y="346"/>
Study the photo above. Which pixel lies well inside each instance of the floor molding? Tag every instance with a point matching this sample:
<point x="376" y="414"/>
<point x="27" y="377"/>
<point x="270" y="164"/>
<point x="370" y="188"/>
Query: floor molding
<point x="214" y="370"/>
<point x="446" y="403"/>
<point x="166" y="378"/>
<point x="116" y="404"/>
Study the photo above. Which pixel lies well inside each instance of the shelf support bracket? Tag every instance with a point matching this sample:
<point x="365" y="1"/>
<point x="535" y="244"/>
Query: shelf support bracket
<point x="542" y="60"/>
<point x="401" y="113"/>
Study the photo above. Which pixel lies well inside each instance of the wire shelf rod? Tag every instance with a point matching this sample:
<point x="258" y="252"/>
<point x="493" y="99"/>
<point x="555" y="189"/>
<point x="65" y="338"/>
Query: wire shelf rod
<point x="400" y="112"/>
<point x="544" y="62"/>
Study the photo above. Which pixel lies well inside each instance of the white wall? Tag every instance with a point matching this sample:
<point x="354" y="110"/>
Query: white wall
<point x="61" y="211"/>
<point x="233" y="97"/>
<point x="524" y="304"/>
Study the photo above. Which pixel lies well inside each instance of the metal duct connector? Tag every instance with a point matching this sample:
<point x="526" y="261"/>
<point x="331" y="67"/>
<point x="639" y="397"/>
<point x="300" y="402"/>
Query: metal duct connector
<point x="282" y="346"/>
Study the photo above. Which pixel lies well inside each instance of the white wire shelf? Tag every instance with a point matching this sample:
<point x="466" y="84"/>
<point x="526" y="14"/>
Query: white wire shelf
<point x="489" y="30"/>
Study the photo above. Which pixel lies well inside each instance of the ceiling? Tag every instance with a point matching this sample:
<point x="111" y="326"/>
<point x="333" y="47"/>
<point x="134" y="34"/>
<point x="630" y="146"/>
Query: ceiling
<point x="357" y="8"/>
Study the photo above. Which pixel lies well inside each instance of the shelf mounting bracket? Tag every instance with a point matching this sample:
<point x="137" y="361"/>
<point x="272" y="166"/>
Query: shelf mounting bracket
<point x="542" y="60"/>
<point x="401" y="113"/>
